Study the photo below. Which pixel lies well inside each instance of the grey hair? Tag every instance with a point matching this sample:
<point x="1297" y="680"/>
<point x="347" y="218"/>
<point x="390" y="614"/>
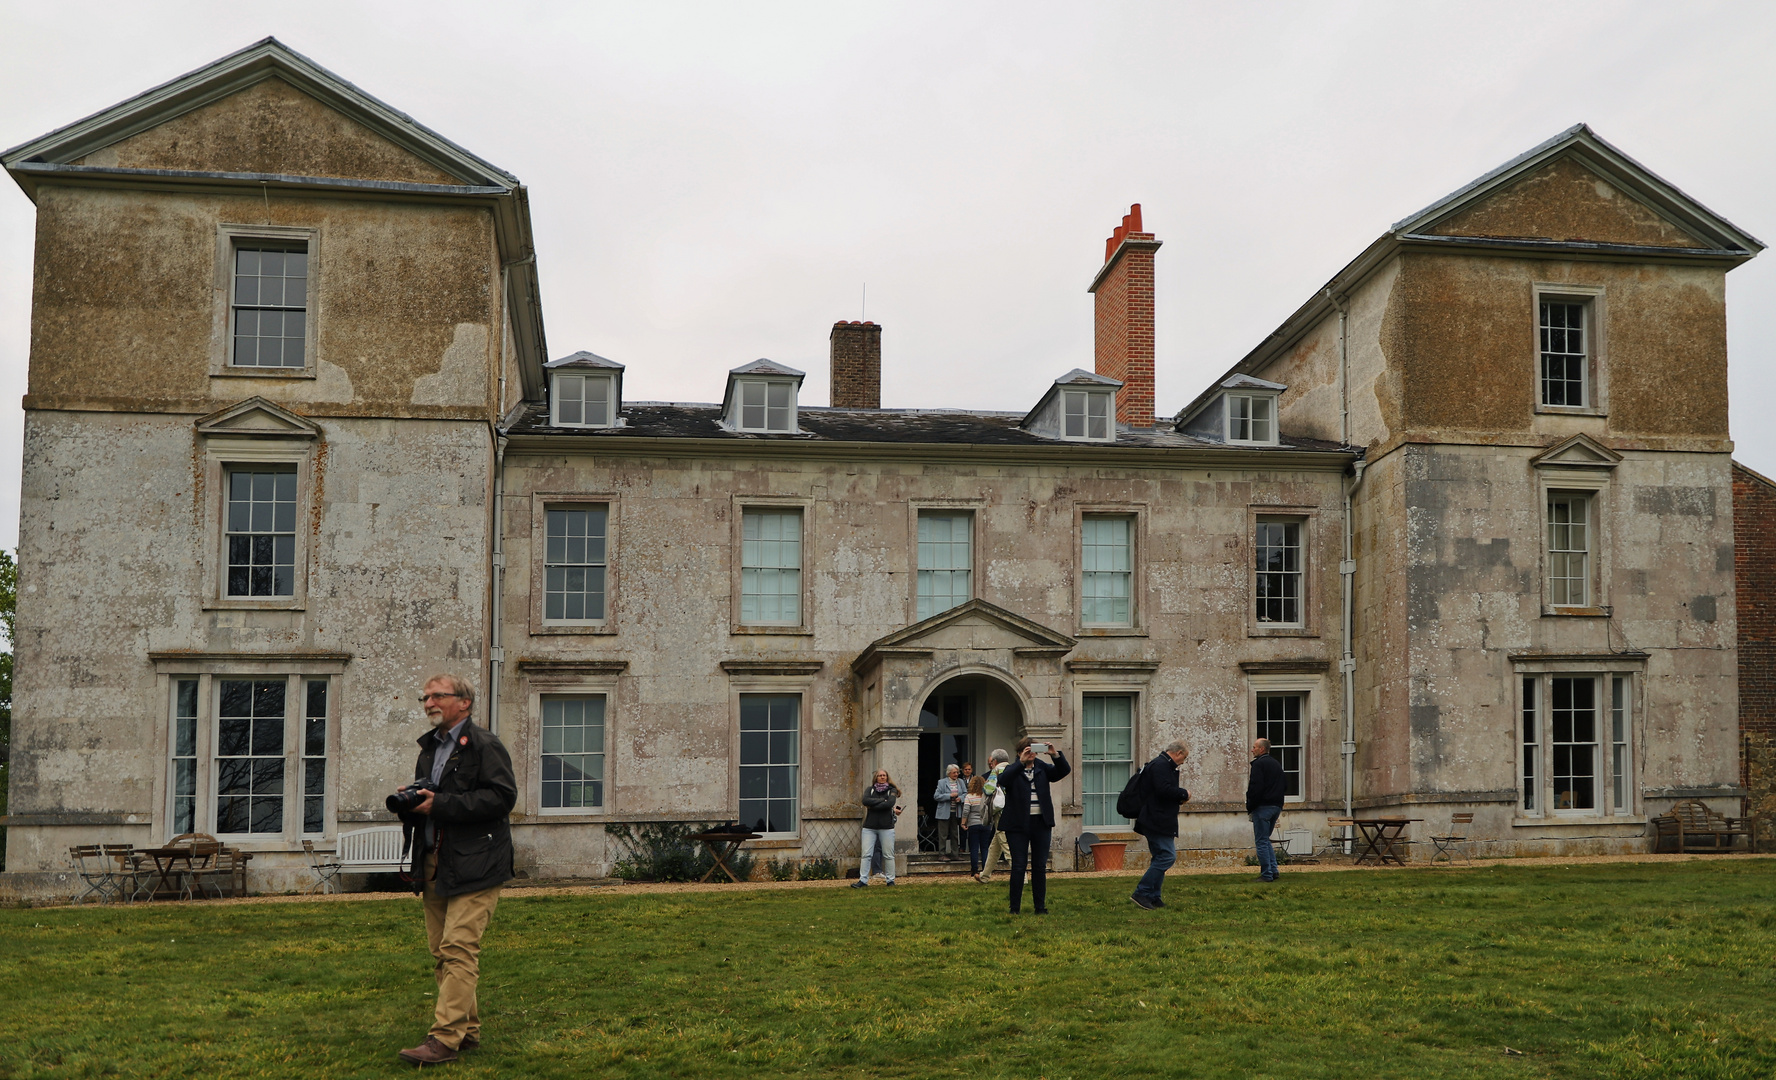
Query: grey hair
<point x="458" y="686"/>
<point x="1265" y="743"/>
<point x="998" y="755"/>
<point x="957" y="769"/>
<point x="1177" y="746"/>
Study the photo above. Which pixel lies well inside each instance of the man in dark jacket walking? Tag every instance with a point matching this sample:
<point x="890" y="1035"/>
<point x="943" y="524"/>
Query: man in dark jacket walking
<point x="1264" y="803"/>
<point x="1028" y="819"/>
<point x="462" y="854"/>
<point x="1161" y="796"/>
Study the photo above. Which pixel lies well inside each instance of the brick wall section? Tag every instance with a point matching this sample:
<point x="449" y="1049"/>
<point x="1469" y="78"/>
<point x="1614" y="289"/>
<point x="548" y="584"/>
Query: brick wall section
<point x="856" y="360"/>
<point x="1754" y="583"/>
<point x="1123" y="332"/>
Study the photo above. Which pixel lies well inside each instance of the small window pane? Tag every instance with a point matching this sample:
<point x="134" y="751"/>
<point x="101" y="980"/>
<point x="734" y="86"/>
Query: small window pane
<point x="249" y="758"/>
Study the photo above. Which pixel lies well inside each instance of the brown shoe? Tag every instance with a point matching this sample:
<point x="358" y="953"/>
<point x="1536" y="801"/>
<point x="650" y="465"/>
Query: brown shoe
<point x="430" y="1052"/>
<point x="469" y="1042"/>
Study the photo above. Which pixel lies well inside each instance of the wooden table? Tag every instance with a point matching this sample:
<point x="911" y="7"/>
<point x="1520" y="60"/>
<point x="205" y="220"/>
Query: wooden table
<point x="1379" y="839"/>
<point x="166" y="860"/>
<point x="722" y="846"/>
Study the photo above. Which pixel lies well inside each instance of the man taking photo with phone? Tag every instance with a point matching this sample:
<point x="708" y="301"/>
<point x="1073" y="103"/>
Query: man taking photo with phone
<point x="1028" y="819"/>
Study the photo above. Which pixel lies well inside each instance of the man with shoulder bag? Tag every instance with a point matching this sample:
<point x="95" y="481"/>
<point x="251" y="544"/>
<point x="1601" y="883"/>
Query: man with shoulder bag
<point x="1161" y="796"/>
<point x="454" y="816"/>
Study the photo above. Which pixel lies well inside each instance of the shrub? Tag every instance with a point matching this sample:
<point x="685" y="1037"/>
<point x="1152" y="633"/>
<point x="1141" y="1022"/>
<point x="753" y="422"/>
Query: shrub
<point x="664" y="851"/>
<point x="823" y="868"/>
<point x="781" y="869"/>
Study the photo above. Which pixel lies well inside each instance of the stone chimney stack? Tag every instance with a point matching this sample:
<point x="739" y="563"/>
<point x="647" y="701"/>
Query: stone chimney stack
<point x="857" y="365"/>
<point x="1124" y="327"/>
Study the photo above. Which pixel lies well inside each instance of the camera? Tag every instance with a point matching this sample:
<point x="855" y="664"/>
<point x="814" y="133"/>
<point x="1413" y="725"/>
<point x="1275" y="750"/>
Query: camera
<point x="403" y="801"/>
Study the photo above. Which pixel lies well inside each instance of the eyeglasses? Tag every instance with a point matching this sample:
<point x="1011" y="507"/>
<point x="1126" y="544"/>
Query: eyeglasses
<point x="423" y="698"/>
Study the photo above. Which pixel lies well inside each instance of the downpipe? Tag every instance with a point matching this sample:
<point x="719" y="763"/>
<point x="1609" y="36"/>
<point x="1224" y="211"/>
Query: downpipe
<point x="1347" y="663"/>
<point x="496" y="653"/>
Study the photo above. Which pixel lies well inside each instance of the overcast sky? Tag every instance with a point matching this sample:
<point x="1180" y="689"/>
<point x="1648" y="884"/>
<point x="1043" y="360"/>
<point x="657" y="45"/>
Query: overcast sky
<point x="715" y="183"/>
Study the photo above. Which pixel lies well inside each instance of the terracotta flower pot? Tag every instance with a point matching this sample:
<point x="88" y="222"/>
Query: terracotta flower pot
<point x="1108" y="856"/>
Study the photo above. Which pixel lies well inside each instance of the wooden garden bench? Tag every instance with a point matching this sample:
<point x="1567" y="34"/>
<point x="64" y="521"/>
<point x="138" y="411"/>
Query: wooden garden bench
<point x="1692" y="827"/>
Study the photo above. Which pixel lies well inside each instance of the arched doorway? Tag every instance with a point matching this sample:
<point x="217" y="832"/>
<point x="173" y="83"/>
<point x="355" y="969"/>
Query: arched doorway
<point x="962" y="719"/>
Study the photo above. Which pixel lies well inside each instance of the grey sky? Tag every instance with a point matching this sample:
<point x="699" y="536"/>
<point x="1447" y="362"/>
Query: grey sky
<point x="712" y="184"/>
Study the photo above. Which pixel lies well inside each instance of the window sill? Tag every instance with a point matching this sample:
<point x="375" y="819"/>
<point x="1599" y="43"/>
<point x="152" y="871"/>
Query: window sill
<point x="262" y="373"/>
<point x="778" y="844"/>
<point x="1577" y="612"/>
<point x="570" y="815"/>
<point x="1570" y="410"/>
<point x="801" y="631"/>
<point x="1588" y="821"/>
<point x="232" y="603"/>
<point x="1111" y="631"/>
<point x="573" y="628"/>
<point x="1267" y="630"/>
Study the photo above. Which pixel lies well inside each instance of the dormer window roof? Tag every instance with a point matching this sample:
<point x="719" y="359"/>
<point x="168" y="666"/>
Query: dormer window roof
<point x="761" y="398"/>
<point x="1080" y="407"/>
<point x="1244" y="413"/>
<point x="585" y="390"/>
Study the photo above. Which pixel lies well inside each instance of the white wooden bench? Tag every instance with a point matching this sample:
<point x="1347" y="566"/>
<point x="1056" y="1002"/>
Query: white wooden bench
<point x="376" y="850"/>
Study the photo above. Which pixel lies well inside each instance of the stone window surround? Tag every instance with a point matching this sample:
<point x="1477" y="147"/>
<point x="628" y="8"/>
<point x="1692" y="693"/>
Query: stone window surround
<point x="172" y="666"/>
<point x="1629" y="666"/>
<point x="788" y="677"/>
<point x="1128" y="678"/>
<point x="220" y="454"/>
<point x="738" y="505"/>
<point x="540" y="504"/>
<point x="1596" y="346"/>
<point x="973" y="508"/>
<point x="1309" y="517"/>
<point x="1312" y="688"/>
<point x="1138" y="511"/>
<point x="582" y="684"/>
<point x="1595" y="484"/>
<point x="228" y="236"/>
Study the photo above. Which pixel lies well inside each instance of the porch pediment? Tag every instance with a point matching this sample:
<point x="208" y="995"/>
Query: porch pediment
<point x="975" y="625"/>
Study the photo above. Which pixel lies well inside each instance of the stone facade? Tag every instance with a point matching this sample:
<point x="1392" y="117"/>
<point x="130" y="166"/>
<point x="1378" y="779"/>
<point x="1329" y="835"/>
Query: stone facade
<point x="1360" y="541"/>
<point x="1754" y="571"/>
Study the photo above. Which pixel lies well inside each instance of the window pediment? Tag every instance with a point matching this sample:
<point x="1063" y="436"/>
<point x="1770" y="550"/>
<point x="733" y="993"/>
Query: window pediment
<point x="258" y="418"/>
<point x="1578" y="452"/>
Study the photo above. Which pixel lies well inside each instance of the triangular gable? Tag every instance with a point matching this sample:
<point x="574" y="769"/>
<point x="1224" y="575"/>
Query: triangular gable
<point x="995" y="628"/>
<point x="236" y="73"/>
<point x="1579" y="451"/>
<point x="258" y="418"/>
<point x="1577" y="188"/>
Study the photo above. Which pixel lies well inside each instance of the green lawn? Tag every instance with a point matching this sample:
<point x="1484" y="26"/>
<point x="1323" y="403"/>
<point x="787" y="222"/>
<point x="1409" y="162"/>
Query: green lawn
<point x="1602" y="970"/>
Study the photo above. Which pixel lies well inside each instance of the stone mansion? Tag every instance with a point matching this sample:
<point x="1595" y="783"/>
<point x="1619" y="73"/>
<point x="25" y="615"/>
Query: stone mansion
<point x="1457" y="536"/>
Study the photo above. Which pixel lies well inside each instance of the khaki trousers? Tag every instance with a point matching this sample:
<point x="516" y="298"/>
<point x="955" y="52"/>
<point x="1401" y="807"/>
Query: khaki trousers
<point x="995" y="851"/>
<point x="454" y="926"/>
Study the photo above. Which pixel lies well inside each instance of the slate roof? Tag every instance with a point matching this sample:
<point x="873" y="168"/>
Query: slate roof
<point x="663" y="420"/>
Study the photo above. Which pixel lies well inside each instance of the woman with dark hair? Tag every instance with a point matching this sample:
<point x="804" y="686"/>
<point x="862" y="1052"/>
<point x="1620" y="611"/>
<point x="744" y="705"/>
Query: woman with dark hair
<point x="1028" y="819"/>
<point x="879" y="812"/>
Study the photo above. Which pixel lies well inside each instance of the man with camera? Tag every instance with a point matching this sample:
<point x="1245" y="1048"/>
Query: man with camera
<point x="1029" y="817"/>
<point x="456" y="810"/>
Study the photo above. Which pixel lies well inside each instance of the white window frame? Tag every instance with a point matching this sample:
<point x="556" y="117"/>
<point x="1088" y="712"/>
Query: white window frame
<point x="1137" y="513"/>
<point x="1308" y="517"/>
<point x="740" y="683"/>
<point x="741" y="507"/>
<point x="558" y="381"/>
<point x="1566" y="514"/>
<point x="1132" y="524"/>
<point x="1259" y="697"/>
<point x="1311" y="688"/>
<point x="1249" y="400"/>
<point x="539" y="679"/>
<point x="223" y="456"/>
<point x="603" y="566"/>
<point x="296" y="672"/>
<point x="922" y="609"/>
<point x="740" y="765"/>
<point x="1112" y="820"/>
<point x="1596" y="368"/>
<point x="1088" y="402"/>
<point x="1260" y="522"/>
<point x="230" y="237"/>
<point x="540" y="504"/>
<point x="1617" y="797"/>
<point x="542" y="700"/>
<point x="741" y="388"/>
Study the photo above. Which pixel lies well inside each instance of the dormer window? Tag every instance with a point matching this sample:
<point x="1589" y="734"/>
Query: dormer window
<point x="585" y="391"/>
<point x="1251" y="418"/>
<point x="583" y="400"/>
<point x="766" y="406"/>
<point x="1086" y="415"/>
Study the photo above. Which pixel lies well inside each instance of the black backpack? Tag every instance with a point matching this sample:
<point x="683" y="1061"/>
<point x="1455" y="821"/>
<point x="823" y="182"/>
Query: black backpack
<point x="1133" y="797"/>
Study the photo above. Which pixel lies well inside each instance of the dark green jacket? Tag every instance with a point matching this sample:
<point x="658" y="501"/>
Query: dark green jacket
<point x="475" y="795"/>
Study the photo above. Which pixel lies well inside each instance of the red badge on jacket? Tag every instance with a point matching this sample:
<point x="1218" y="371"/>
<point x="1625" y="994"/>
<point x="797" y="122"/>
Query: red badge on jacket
<point x="462" y="741"/>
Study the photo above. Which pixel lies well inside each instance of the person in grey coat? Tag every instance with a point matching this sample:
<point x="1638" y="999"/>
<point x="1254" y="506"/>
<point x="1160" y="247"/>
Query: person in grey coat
<point x="949" y="795"/>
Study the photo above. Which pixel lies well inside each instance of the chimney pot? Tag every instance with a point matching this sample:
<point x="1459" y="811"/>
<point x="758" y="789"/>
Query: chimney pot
<point x="856" y="365"/>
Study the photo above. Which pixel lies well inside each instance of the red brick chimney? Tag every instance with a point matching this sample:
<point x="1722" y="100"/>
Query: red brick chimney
<point x="1124" y="326"/>
<point x="857" y="365"/>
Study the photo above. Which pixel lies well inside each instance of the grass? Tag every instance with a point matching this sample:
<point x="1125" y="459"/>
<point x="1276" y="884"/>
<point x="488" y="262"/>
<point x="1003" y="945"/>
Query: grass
<point x="1621" y="971"/>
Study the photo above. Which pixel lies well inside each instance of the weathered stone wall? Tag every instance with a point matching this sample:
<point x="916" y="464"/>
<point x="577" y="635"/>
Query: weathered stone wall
<point x="673" y="557"/>
<point x="1754" y="572"/>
